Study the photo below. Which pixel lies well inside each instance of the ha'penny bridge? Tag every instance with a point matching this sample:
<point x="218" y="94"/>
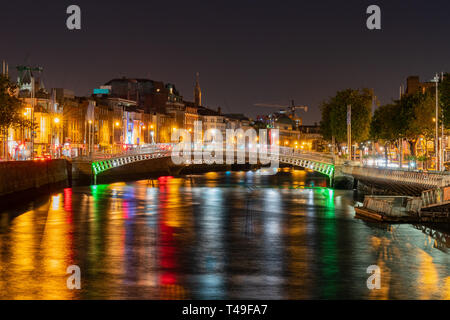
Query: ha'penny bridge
<point x="431" y="187"/>
<point x="314" y="161"/>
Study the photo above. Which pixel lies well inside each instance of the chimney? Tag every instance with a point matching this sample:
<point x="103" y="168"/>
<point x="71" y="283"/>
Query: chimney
<point x="219" y="110"/>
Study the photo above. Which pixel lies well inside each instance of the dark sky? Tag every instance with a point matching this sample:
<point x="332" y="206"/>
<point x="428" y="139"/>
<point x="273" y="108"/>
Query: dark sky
<point x="247" y="52"/>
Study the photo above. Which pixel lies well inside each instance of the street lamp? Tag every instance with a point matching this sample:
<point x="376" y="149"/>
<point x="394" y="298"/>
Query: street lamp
<point x="55" y="137"/>
<point x="90" y="138"/>
<point x="436" y="137"/>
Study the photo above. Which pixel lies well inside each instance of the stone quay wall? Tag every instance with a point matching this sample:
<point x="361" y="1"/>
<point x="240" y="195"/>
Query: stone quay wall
<point x="20" y="176"/>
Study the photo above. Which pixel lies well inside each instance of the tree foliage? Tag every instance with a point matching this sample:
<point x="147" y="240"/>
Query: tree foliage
<point x="9" y="104"/>
<point x="444" y="97"/>
<point x="415" y="115"/>
<point x="383" y="126"/>
<point x="408" y="118"/>
<point x="334" y="115"/>
<point x="9" y="111"/>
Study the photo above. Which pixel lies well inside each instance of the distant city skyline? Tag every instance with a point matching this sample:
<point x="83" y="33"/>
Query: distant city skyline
<point x="245" y="52"/>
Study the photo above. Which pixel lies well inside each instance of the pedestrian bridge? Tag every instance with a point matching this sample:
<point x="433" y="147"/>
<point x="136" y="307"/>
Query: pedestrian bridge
<point x="315" y="161"/>
<point x="398" y="181"/>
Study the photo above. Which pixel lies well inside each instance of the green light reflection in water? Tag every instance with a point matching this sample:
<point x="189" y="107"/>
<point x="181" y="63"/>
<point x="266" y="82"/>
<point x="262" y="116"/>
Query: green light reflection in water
<point x="328" y="252"/>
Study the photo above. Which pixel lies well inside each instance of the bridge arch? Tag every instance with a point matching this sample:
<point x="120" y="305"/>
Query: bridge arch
<point x="315" y="162"/>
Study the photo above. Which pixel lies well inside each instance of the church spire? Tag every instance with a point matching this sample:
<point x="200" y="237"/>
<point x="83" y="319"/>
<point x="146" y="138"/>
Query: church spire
<point x="197" y="92"/>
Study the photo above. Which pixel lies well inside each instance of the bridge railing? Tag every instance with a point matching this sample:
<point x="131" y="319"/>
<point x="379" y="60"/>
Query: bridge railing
<point x="421" y="178"/>
<point x="141" y="149"/>
<point x="150" y="148"/>
<point x="308" y="155"/>
<point x="316" y="161"/>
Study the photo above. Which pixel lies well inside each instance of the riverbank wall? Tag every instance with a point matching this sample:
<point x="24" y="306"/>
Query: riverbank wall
<point x="22" y="177"/>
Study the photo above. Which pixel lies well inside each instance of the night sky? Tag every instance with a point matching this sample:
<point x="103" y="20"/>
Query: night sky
<point x="246" y="52"/>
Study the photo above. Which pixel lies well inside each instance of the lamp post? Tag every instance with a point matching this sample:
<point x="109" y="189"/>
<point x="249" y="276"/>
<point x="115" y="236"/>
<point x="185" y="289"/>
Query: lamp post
<point x="55" y="137"/>
<point x="32" y="116"/>
<point x="436" y="136"/>
<point x="116" y="146"/>
<point x="89" y="138"/>
<point x="442" y="133"/>
<point x="152" y="133"/>
<point x="349" y="131"/>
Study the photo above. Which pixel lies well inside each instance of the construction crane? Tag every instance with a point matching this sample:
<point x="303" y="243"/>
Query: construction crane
<point x="290" y="108"/>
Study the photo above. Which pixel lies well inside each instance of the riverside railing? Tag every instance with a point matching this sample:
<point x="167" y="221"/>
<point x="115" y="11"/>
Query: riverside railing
<point x="433" y="180"/>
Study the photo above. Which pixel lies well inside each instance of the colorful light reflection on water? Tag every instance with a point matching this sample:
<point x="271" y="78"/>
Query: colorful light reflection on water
<point x="231" y="235"/>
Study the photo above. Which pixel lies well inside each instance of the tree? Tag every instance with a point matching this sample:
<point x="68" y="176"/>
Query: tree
<point x="9" y="110"/>
<point x="415" y="117"/>
<point x="334" y="115"/>
<point x="383" y="127"/>
<point x="409" y="118"/>
<point x="444" y="99"/>
<point x="326" y="122"/>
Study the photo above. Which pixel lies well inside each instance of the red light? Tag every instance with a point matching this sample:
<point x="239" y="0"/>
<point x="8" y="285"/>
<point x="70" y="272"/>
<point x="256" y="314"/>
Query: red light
<point x="168" y="278"/>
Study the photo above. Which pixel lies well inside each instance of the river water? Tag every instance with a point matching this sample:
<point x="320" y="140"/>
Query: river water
<point x="230" y="235"/>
